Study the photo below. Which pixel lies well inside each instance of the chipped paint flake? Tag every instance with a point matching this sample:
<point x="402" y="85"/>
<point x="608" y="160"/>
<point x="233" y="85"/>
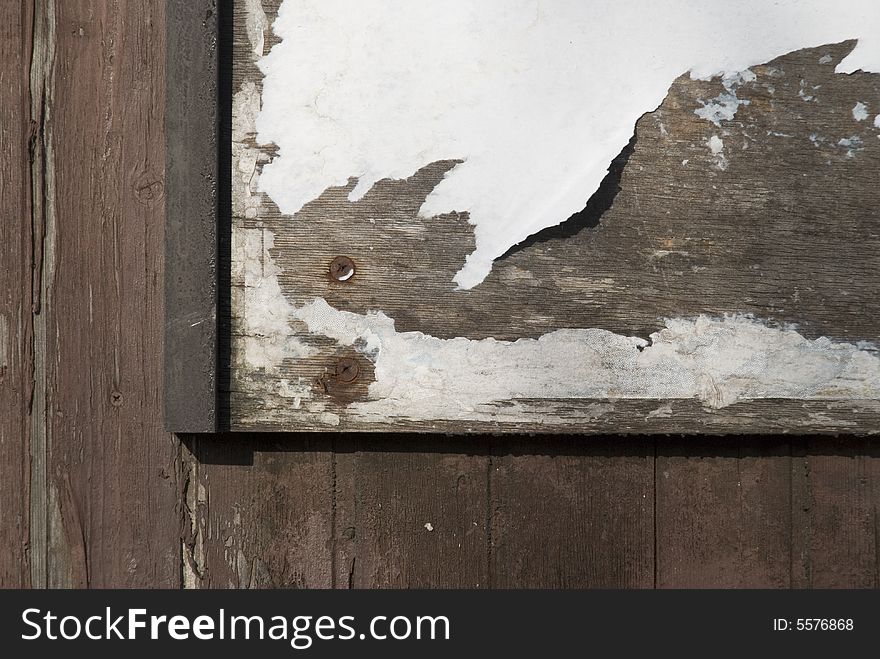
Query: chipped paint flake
<point x="860" y="112"/>
<point x="373" y="90"/>
<point x="852" y="145"/>
<point x="804" y="95"/>
<point x="716" y="148"/>
<point x="724" y="106"/>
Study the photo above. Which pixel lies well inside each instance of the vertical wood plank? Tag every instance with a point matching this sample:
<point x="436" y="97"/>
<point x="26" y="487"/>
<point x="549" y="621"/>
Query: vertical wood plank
<point x="111" y="471"/>
<point x="724" y="513"/>
<point x="836" y="513"/>
<point x="411" y="512"/>
<point x="572" y="513"/>
<point x="259" y="512"/>
<point x="16" y="310"/>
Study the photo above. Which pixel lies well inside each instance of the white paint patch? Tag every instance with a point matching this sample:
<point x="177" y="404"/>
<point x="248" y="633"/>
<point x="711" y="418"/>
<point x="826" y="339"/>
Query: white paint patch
<point x="852" y="145"/>
<point x="877" y="121"/>
<point x="860" y="112"/>
<point x="265" y="311"/>
<point x="724" y="106"/>
<point x="826" y="59"/>
<point x="716" y="147"/>
<point x="804" y="95"/>
<point x="536" y="96"/>
<point x="256" y="24"/>
<point x="719" y="361"/>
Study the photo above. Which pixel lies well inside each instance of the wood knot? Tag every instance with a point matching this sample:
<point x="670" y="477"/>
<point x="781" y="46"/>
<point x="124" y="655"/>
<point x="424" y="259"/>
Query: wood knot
<point x="149" y="188"/>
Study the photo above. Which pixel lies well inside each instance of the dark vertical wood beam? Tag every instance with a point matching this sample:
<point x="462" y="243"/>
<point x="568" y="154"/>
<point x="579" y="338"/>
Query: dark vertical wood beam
<point x="191" y="239"/>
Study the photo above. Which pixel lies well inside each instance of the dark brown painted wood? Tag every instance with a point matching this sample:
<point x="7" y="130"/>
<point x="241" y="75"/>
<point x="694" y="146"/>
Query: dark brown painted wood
<point x="412" y="513"/>
<point x="724" y="514"/>
<point x="18" y="136"/>
<point x="104" y="472"/>
<point x="572" y="513"/>
<point x="260" y="513"/>
<point x="837" y="528"/>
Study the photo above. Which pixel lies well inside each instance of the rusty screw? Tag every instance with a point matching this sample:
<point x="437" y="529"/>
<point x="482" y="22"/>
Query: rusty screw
<point x="342" y="268"/>
<point x="347" y="370"/>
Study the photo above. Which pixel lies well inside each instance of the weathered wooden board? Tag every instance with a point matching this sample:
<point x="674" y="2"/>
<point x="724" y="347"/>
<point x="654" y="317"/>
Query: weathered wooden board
<point x="17" y="300"/>
<point x="88" y="482"/>
<point x="778" y="230"/>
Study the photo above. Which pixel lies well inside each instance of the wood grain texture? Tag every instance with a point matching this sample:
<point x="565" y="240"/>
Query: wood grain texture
<point x="760" y="233"/>
<point x="260" y="513"/>
<point x="572" y="514"/>
<point x="17" y="137"/>
<point x="412" y="516"/>
<point x="103" y="490"/>
<point x="724" y="515"/>
<point x="837" y="529"/>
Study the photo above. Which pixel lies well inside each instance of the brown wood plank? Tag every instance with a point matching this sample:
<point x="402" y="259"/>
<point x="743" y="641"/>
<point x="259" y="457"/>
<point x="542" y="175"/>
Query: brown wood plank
<point x="259" y="512"/>
<point x="411" y="512"/>
<point x="573" y="513"/>
<point x="111" y="471"/>
<point x="724" y="514"/>
<point x="16" y="311"/>
<point x="836" y="534"/>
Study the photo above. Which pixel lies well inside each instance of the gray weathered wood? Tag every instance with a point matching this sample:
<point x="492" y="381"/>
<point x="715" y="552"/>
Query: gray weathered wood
<point x="191" y="240"/>
<point x="787" y="233"/>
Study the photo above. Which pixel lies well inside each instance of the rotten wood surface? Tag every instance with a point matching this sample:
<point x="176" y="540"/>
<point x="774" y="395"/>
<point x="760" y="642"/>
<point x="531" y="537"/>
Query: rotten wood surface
<point x="781" y="226"/>
<point x="93" y="492"/>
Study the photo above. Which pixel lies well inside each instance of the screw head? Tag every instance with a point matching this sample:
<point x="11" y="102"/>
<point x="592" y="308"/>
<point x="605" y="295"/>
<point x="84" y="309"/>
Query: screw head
<point x="342" y="268"/>
<point x="347" y="370"/>
<point x="116" y="399"/>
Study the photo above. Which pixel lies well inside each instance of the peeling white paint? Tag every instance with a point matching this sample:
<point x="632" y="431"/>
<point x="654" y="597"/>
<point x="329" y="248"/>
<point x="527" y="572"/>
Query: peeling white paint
<point x="377" y="89"/>
<point x="826" y="59"/>
<point x="860" y="111"/>
<point x="256" y="24"/>
<point x="719" y="361"/>
<point x="724" y="106"/>
<point x="877" y="121"/>
<point x="266" y="313"/>
<point x="852" y="145"/>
